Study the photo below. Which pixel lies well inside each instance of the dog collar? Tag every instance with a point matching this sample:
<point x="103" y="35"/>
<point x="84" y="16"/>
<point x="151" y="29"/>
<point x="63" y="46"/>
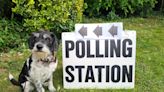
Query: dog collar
<point x="49" y="59"/>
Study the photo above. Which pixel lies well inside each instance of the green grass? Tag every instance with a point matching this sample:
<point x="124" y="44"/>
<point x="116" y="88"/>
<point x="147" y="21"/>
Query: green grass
<point x="149" y="59"/>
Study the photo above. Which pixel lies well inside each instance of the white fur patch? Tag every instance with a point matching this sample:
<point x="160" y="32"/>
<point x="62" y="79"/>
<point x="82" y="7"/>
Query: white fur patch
<point x="27" y="86"/>
<point x="46" y="36"/>
<point x="41" y="71"/>
<point x="36" y="34"/>
<point x="11" y="76"/>
<point x="27" y="62"/>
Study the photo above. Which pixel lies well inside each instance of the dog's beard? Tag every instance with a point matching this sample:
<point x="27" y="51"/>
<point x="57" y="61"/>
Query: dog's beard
<point x="40" y="55"/>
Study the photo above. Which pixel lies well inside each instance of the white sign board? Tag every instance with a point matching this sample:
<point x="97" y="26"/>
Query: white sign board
<point x="99" y="56"/>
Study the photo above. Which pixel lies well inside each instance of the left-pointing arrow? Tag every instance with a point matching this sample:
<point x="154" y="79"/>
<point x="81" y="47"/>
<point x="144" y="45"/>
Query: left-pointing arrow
<point x="113" y="30"/>
<point x="83" y="31"/>
<point x="98" y="31"/>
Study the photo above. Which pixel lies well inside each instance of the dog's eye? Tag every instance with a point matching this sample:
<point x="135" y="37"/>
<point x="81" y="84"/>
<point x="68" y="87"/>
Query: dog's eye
<point x="34" y="38"/>
<point x="47" y="39"/>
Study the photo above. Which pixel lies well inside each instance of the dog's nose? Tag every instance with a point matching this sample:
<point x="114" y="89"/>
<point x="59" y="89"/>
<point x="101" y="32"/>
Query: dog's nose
<point x="39" y="46"/>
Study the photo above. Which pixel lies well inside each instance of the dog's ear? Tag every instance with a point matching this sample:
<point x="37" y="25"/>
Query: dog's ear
<point x="31" y="40"/>
<point x="54" y="42"/>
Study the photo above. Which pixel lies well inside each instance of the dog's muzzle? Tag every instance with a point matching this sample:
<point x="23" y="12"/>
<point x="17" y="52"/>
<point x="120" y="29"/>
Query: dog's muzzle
<point x="40" y="51"/>
<point x="39" y="47"/>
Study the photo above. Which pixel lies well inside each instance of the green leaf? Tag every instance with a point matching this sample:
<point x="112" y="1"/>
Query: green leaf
<point x="31" y="2"/>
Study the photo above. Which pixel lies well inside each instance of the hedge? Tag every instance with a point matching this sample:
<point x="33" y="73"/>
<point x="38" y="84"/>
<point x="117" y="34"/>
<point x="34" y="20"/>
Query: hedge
<point x="12" y="35"/>
<point x="31" y="15"/>
<point x="55" y="15"/>
<point x="119" y="8"/>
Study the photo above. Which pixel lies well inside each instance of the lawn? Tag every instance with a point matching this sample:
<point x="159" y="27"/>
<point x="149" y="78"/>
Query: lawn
<point x="149" y="58"/>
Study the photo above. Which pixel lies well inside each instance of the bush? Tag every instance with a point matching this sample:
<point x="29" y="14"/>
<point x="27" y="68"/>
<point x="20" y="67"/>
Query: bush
<point x="123" y="8"/>
<point x="11" y="35"/>
<point x="55" y="15"/>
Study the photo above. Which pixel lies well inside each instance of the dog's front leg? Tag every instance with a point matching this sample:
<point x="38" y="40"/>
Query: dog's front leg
<point x="50" y="85"/>
<point x="27" y="87"/>
<point x="39" y="87"/>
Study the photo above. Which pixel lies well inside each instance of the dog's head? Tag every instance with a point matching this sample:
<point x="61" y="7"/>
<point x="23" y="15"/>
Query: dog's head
<point x="42" y="44"/>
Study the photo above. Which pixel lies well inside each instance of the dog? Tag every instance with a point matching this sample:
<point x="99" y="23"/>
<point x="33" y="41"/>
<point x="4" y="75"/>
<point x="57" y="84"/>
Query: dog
<point x="38" y="69"/>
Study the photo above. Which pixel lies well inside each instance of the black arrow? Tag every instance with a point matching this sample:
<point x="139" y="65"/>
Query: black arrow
<point x="113" y="30"/>
<point x="98" y="31"/>
<point x="83" y="31"/>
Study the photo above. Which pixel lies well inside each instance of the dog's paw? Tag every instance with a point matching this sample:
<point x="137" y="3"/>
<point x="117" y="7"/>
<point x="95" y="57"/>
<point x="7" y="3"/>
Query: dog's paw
<point x="52" y="89"/>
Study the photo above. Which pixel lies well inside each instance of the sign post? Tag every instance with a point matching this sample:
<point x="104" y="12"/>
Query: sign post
<point x="99" y="56"/>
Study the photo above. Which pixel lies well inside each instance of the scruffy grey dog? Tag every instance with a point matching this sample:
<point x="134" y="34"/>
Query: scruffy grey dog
<point x="38" y="69"/>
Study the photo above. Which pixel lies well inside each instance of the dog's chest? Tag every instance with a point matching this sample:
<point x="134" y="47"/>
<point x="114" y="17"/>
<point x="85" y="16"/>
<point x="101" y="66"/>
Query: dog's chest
<point x="41" y="72"/>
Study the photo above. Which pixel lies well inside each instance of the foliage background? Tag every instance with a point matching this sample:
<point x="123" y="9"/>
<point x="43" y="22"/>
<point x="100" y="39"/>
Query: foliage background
<point x="18" y="18"/>
<point x="58" y="15"/>
<point x="21" y="17"/>
<point x="119" y="8"/>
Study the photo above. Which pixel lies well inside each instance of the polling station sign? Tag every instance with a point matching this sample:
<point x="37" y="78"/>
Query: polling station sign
<point x="99" y="56"/>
